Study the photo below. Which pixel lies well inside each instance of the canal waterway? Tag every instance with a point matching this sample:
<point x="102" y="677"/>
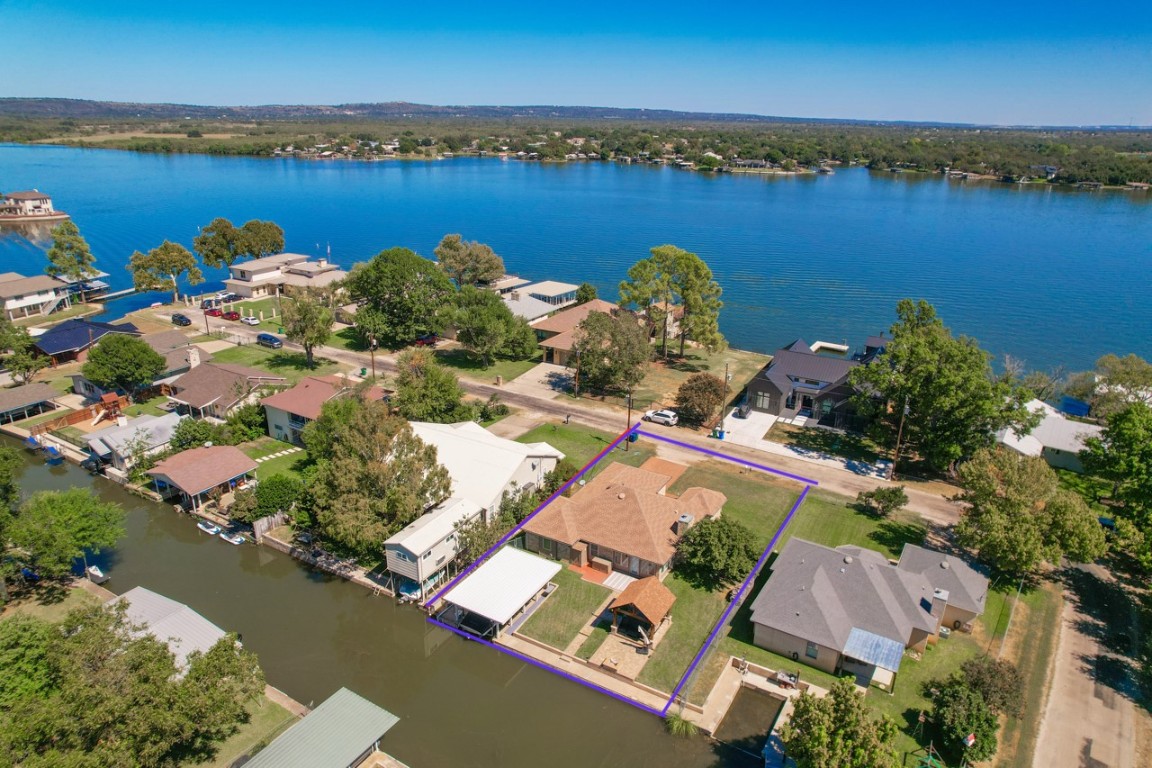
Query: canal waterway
<point x="459" y="703"/>
<point x="1050" y="275"/>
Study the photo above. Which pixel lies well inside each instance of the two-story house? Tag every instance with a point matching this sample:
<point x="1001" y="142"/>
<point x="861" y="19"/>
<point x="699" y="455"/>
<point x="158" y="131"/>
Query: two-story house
<point x="483" y="467"/>
<point x="270" y="275"/>
<point x="29" y="296"/>
<point x="288" y="412"/>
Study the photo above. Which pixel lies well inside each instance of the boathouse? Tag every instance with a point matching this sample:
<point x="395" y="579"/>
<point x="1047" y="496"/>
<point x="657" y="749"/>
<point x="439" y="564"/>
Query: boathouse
<point x="343" y="732"/>
<point x="506" y="588"/>
<point x="197" y="475"/>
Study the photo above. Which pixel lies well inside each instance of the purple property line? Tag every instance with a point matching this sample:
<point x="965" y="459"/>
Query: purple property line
<point x="635" y="428"/>
<point x="735" y="600"/>
<point x="732" y="459"/>
<point x="542" y="665"/>
<point x="504" y="539"/>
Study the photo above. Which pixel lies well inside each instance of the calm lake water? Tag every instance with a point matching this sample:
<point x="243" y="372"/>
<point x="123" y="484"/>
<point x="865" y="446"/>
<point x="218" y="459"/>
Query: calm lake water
<point x="459" y="703"/>
<point x="1053" y="276"/>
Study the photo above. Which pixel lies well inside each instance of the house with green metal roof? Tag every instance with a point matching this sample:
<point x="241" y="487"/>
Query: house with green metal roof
<point x="343" y="732"/>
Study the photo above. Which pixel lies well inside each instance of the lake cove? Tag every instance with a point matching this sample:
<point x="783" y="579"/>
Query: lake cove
<point x="458" y="702"/>
<point x="1049" y="275"/>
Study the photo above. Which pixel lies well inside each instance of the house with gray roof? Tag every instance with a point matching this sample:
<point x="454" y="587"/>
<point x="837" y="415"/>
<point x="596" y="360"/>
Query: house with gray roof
<point x="800" y="382"/>
<point x="848" y="610"/>
<point x="182" y="629"/>
<point x="965" y="589"/>
<point x="1057" y="438"/>
<point x="121" y="445"/>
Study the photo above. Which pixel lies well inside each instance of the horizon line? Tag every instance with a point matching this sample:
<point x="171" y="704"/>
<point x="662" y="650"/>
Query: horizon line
<point x="701" y="115"/>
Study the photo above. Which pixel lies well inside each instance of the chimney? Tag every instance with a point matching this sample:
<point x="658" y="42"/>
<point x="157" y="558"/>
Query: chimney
<point x="323" y="262"/>
<point x="939" y="604"/>
<point x="515" y="295"/>
<point x="682" y="524"/>
<point x="193" y="357"/>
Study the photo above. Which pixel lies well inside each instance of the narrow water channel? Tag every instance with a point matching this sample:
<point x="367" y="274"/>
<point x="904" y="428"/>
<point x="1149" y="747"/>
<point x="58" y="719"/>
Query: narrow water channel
<point x="459" y="703"/>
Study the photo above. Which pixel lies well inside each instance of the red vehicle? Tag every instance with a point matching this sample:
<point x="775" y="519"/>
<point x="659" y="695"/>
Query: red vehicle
<point x="427" y="340"/>
<point x="214" y="312"/>
<point x="231" y="315"/>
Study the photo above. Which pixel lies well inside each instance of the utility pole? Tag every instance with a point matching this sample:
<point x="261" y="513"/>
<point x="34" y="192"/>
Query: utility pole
<point x="628" y="426"/>
<point x="372" y="351"/>
<point x="724" y="403"/>
<point x="899" y="435"/>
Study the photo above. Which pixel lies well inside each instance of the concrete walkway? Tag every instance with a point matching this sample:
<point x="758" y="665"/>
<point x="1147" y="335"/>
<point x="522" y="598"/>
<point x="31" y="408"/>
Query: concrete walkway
<point x="750" y="432"/>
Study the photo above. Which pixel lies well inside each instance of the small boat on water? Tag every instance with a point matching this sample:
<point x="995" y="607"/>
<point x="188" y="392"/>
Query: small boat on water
<point x="208" y="527"/>
<point x="55" y="457"/>
<point x="233" y="538"/>
<point x="95" y="575"/>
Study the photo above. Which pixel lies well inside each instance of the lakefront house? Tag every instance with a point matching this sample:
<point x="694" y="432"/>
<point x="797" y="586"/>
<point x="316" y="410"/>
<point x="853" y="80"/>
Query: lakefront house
<point x="270" y="275"/>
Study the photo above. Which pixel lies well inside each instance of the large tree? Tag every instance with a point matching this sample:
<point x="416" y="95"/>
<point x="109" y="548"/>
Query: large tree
<point x="92" y="691"/>
<point x="937" y="392"/>
<point x="161" y="268"/>
<point x="1120" y="382"/>
<point x="69" y="256"/>
<point x="1122" y="454"/>
<point x="669" y="275"/>
<point x="308" y="322"/>
<point x="53" y="529"/>
<point x="408" y="293"/>
<point x="611" y="352"/>
<point x="468" y="263"/>
<point x="716" y="552"/>
<point x="1018" y="517"/>
<point x="120" y="361"/>
<point x="380" y="477"/>
<point x="221" y="243"/>
<point x="961" y="711"/>
<point x="427" y="391"/>
<point x="700" y="398"/>
<point x="838" y="731"/>
<point x="487" y="328"/>
<point x="17" y="353"/>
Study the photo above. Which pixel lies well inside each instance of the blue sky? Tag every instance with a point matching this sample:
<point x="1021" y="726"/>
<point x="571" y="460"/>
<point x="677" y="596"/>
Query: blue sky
<point x="1007" y="62"/>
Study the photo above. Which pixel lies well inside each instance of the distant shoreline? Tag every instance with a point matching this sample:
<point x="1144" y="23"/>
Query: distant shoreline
<point x="725" y="169"/>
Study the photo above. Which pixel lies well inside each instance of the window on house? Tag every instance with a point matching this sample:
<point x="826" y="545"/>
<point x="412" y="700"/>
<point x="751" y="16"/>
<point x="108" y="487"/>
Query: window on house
<point x="401" y="556"/>
<point x="427" y="554"/>
<point x="764" y="401"/>
<point x="812" y="651"/>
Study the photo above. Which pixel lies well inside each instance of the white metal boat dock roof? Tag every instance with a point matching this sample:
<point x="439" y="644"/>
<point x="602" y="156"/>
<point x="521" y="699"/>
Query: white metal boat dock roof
<point x="499" y="588"/>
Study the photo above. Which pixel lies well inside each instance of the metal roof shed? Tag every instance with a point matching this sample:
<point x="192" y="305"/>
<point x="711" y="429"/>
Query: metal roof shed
<point x="340" y="733"/>
<point x="501" y="587"/>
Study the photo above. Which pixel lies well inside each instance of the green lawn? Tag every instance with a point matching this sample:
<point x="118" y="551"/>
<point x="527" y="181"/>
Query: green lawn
<point x="291" y="464"/>
<point x="74" y="435"/>
<point x="581" y="444"/>
<point x="466" y="364"/>
<point x="279" y="362"/>
<point x="693" y="615"/>
<point x="755" y="499"/>
<point x="43" y="417"/>
<point x="1092" y="489"/>
<point x="266" y="721"/>
<point x="566" y="611"/>
<point x="47" y="601"/>
<point x="832" y="520"/>
<point x="348" y="339"/>
<point x="148" y="407"/>
<point x="593" y="641"/>
<point x="253" y="308"/>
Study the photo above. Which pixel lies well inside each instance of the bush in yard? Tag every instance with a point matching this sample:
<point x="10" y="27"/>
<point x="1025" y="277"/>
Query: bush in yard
<point x="997" y="681"/>
<point x="700" y="398"/>
<point x="715" y="552"/>
<point x="193" y="433"/>
<point x="565" y="470"/>
<point x="883" y="501"/>
<point x="247" y="423"/>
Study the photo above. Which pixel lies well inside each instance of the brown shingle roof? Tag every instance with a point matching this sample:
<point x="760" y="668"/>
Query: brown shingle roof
<point x="173" y="347"/>
<point x="23" y="286"/>
<point x="308" y="397"/>
<point x="211" y="382"/>
<point x="623" y="509"/>
<point x="568" y="319"/>
<point x="200" y="469"/>
<point x="647" y="597"/>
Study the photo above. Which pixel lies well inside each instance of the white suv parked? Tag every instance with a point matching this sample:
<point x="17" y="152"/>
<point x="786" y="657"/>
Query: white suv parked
<point x="668" y="418"/>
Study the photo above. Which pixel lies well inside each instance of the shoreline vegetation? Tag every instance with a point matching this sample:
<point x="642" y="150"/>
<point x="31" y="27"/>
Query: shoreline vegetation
<point x="1065" y="157"/>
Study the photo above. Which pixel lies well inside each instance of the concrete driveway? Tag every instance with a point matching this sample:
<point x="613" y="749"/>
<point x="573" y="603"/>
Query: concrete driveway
<point x="750" y="432"/>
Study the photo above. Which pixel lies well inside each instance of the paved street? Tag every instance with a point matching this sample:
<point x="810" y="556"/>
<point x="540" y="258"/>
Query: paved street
<point x="538" y="400"/>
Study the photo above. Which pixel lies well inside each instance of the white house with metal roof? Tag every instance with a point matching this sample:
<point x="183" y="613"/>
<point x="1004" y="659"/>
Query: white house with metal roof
<point x="343" y="732"/>
<point x="483" y="468"/>
<point x="1056" y="438"/>
<point x="123" y="444"/>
